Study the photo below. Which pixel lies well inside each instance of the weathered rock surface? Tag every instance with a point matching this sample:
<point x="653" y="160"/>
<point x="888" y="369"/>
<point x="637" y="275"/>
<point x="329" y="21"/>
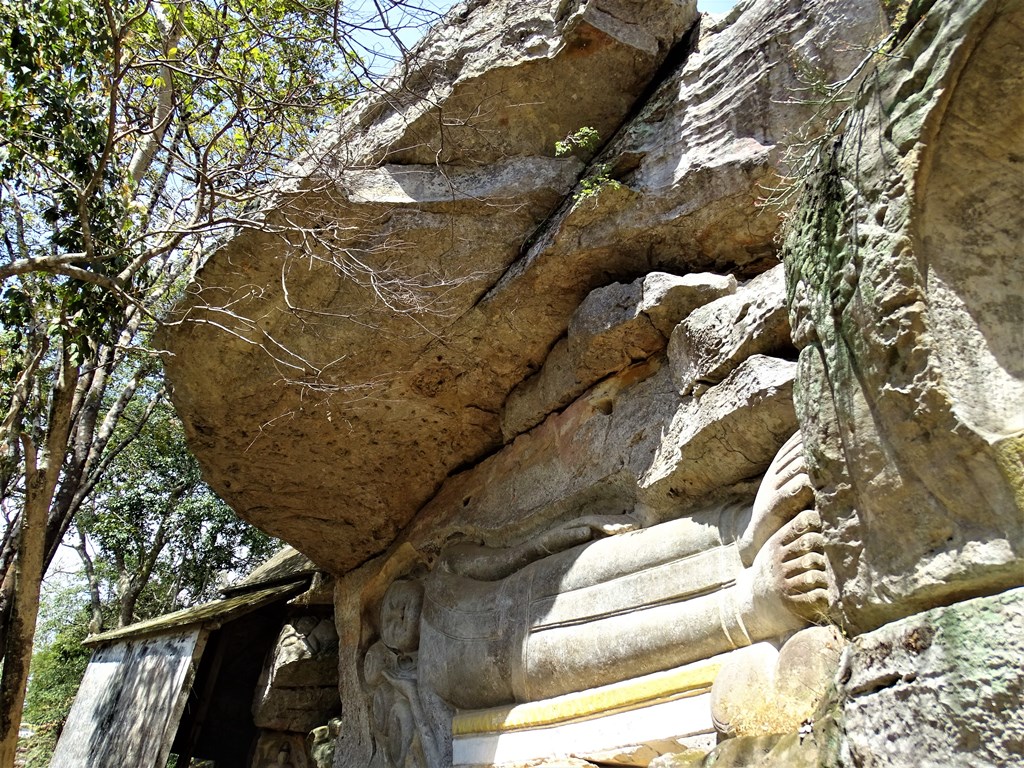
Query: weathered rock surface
<point x="297" y="690"/>
<point x="938" y="688"/>
<point x="326" y="416"/>
<point x="309" y="367"/>
<point x="576" y="476"/>
<point x="727" y="434"/>
<point x="614" y="327"/>
<point x="905" y="274"/>
<point x="703" y="155"/>
<point x="507" y="79"/>
<point x="709" y="344"/>
<point x="629" y="445"/>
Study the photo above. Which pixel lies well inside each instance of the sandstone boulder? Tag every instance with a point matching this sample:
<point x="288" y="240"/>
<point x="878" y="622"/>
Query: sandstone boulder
<point x="507" y="79"/>
<point x="670" y="298"/>
<point x="728" y="434"/>
<point x="709" y="344"/>
<point x="333" y="368"/>
<point x="631" y="444"/>
<point x="939" y="688"/>
<point x="614" y="327"/>
<point x="322" y="366"/>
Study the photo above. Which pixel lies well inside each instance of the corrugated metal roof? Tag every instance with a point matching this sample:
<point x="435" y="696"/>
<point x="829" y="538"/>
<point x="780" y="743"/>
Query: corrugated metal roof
<point x="215" y="612"/>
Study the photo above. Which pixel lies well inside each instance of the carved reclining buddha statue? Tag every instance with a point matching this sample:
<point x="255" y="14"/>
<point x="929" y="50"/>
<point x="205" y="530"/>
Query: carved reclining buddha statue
<point x="595" y="601"/>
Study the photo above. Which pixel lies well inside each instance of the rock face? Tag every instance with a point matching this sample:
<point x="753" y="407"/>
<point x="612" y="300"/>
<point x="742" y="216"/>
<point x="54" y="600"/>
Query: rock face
<point x="904" y="271"/>
<point x="709" y="342"/>
<point x="613" y="327"/>
<point x="603" y="482"/>
<point x="345" y="387"/>
<point x="340" y="398"/>
<point x="944" y="682"/>
<point x="297" y="690"/>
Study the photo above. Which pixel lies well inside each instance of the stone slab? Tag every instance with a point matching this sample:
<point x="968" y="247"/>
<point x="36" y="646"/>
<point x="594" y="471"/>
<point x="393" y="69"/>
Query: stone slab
<point x="940" y="688"/>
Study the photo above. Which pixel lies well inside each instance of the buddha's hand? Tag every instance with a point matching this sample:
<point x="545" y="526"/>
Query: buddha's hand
<point x="580" y="530"/>
<point x="784" y="492"/>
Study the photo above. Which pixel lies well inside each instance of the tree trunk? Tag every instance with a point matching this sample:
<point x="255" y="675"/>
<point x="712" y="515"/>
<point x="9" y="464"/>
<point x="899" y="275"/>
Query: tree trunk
<point x="18" y="652"/>
<point x="137" y="582"/>
<point x="86" y="454"/>
<point x="42" y="469"/>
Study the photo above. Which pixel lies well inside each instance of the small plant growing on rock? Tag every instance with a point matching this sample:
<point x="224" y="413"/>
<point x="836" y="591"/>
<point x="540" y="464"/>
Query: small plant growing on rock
<point x="597" y="180"/>
<point x="586" y="139"/>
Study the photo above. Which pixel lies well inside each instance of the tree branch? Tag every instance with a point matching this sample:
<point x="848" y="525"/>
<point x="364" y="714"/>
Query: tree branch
<point x="152" y="140"/>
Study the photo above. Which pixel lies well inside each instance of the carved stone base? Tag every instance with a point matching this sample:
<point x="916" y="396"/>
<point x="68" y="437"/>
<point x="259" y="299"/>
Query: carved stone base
<point x="628" y="723"/>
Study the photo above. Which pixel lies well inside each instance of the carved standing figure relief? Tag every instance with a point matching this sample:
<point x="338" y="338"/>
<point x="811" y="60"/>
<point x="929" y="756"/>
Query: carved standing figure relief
<point x="401" y="729"/>
<point x="598" y="599"/>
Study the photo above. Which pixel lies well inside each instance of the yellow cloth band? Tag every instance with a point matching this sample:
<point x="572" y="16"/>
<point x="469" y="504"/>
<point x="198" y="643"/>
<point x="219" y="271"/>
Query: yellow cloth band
<point x="691" y="680"/>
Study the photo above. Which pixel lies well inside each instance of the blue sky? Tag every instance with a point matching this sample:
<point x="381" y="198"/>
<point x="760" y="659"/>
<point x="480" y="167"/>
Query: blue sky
<point x="715" y="6"/>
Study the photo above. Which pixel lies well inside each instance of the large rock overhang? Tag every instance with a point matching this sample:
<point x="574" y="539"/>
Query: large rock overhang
<point x="335" y="366"/>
